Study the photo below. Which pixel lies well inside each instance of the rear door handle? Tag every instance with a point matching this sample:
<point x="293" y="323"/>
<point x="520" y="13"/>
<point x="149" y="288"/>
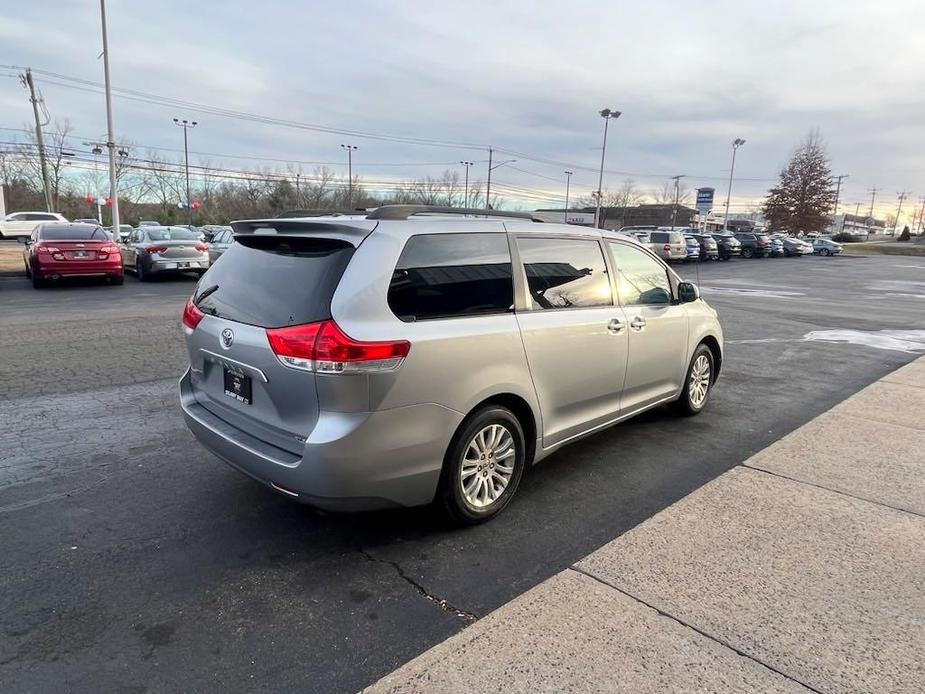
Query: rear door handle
<point x="638" y="323"/>
<point x="615" y="325"/>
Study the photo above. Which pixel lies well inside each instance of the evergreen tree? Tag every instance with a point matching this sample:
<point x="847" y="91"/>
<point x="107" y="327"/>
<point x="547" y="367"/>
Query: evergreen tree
<point x="803" y="198"/>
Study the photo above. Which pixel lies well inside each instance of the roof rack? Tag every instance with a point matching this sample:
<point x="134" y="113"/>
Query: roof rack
<point x="293" y="214"/>
<point x="405" y="211"/>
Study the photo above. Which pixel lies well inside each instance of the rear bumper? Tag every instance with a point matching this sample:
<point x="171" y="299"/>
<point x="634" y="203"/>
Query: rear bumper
<point x="351" y="461"/>
<point x="198" y="264"/>
<point x="78" y="268"/>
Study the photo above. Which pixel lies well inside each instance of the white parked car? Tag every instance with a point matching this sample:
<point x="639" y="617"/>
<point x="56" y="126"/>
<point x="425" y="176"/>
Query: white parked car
<point x="23" y="223"/>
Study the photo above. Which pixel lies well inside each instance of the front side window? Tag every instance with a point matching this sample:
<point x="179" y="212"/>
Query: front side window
<point x="643" y="280"/>
<point x="565" y="273"/>
<point x="452" y="276"/>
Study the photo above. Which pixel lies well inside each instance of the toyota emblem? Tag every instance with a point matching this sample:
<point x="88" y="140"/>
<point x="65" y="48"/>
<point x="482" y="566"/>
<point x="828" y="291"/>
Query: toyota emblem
<point x="227" y="338"/>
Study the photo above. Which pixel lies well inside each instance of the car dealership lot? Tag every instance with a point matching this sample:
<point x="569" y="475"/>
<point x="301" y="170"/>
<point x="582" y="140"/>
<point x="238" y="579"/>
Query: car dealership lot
<point x="133" y="558"/>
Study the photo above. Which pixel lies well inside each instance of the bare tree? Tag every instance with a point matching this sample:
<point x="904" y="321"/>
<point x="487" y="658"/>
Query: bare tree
<point x="666" y="195"/>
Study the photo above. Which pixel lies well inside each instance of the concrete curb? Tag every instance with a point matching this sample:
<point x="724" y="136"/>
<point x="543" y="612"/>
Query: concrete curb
<point x="802" y="569"/>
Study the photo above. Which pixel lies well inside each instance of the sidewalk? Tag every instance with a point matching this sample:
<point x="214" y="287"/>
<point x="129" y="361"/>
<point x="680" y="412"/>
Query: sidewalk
<point x="801" y="570"/>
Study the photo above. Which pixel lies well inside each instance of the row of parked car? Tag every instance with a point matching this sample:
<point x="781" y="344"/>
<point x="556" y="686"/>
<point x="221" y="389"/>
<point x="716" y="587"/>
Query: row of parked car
<point x="55" y="250"/>
<point x="688" y="244"/>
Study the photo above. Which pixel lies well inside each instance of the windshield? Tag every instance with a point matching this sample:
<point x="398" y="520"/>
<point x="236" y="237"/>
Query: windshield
<point x="171" y="234"/>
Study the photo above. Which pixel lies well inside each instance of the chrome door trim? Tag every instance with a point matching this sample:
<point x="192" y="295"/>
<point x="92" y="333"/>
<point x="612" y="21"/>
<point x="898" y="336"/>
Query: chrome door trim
<point x="604" y="425"/>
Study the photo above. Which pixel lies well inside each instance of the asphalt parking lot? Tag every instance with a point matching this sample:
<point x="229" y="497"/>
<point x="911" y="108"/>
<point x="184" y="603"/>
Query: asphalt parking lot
<point x="134" y="561"/>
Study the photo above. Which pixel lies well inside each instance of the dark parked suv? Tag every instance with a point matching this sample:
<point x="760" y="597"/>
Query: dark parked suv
<point x="754" y="245"/>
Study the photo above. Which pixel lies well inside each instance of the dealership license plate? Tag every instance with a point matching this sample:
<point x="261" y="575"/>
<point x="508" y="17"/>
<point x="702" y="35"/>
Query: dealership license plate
<point x="238" y="386"/>
<point x="81" y="255"/>
<point x="183" y="264"/>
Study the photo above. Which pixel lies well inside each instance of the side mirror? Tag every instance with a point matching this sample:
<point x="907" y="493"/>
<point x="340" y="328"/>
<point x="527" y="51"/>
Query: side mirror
<point x="688" y="292"/>
<point x="24" y="240"/>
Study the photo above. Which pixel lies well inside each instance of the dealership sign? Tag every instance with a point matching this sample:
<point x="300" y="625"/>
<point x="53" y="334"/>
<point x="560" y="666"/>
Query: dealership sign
<point x="705" y="199"/>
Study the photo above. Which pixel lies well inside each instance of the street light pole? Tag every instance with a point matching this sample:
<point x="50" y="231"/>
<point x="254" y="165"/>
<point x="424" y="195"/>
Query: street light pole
<point x="350" y="150"/>
<point x="677" y="197"/>
<point x="568" y="181"/>
<point x="110" y="137"/>
<point x="186" y="125"/>
<point x="736" y="143"/>
<point x="467" y="164"/>
<point x="839" y="179"/>
<point x="606" y="114"/>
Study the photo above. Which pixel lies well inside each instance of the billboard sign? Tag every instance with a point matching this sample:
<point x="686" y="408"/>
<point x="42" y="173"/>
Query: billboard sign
<point x="705" y="199"/>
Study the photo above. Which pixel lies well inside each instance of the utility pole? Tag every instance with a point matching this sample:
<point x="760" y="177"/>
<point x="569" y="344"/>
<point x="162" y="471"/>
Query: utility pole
<point x="922" y="216"/>
<point x="677" y="197"/>
<point x="736" y="143"/>
<point x="298" y="189"/>
<point x="186" y="125"/>
<point x="490" y="169"/>
<point x="857" y="209"/>
<point x="568" y="180"/>
<point x="902" y="197"/>
<point x="467" y="164"/>
<point x="30" y="85"/>
<point x="839" y="179"/>
<point x="607" y="114"/>
<point x="870" y="217"/>
<point x="110" y="137"/>
<point x="350" y="150"/>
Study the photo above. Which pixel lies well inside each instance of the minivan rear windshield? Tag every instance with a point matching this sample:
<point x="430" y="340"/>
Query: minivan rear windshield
<point x="274" y="281"/>
<point x="81" y="232"/>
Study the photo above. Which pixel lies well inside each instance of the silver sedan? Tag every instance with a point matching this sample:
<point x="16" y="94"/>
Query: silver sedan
<point x="154" y="250"/>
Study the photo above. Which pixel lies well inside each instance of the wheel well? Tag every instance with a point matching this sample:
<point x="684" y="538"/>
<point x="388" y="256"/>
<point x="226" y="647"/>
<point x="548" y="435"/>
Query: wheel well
<point x="524" y="413"/>
<point x="713" y="344"/>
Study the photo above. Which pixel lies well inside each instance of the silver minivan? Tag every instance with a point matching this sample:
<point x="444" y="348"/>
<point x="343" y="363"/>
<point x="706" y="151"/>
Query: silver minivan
<point x="424" y="355"/>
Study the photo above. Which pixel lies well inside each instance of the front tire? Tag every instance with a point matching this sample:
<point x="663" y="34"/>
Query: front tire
<point x="747" y="253"/>
<point x="825" y="251"/>
<point x="483" y="466"/>
<point x="698" y="383"/>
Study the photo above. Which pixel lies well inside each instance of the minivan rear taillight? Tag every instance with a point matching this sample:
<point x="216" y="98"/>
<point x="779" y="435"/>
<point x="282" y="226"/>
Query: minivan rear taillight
<point x="192" y="315"/>
<point x="325" y="348"/>
<point x="666" y="247"/>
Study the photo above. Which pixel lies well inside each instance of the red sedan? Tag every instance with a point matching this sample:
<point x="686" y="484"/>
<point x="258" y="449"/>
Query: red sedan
<point x="57" y="250"/>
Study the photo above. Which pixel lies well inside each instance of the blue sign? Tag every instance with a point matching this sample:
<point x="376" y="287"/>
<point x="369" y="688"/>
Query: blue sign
<point x="705" y="199"/>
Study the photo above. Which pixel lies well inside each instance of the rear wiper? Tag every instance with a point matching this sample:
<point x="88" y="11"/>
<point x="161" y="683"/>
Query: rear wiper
<point x="205" y="292"/>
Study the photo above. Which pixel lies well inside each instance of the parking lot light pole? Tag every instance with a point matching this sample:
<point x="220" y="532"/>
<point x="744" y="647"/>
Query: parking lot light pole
<point x="186" y="125"/>
<point x="467" y="164"/>
<point x="607" y="114"/>
<point x="736" y="143"/>
<point x="350" y="150"/>
<point x="568" y="181"/>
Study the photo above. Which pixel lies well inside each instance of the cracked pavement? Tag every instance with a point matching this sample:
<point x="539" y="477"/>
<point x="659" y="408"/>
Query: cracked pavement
<point x="132" y="560"/>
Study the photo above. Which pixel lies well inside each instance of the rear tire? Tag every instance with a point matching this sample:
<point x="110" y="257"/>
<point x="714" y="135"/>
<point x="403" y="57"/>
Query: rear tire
<point x="476" y="486"/>
<point x="140" y="271"/>
<point x="825" y="251"/>
<point x="698" y="383"/>
<point x="117" y="280"/>
<point x="38" y="282"/>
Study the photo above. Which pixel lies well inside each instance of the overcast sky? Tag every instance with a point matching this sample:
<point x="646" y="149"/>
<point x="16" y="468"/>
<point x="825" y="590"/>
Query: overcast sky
<point x="689" y="77"/>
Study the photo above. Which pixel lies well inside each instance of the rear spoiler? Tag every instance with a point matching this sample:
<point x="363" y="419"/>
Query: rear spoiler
<point x="352" y="231"/>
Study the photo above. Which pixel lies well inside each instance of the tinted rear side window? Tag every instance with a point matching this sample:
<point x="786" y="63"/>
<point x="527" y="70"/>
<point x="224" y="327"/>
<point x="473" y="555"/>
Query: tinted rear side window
<point x="565" y="273"/>
<point x="83" y="232"/>
<point x="658" y="237"/>
<point x="452" y="276"/>
<point x="274" y="281"/>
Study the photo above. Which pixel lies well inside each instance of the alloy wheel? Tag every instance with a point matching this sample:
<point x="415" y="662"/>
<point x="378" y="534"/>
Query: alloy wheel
<point x="487" y="466"/>
<point x="699" y="383"/>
